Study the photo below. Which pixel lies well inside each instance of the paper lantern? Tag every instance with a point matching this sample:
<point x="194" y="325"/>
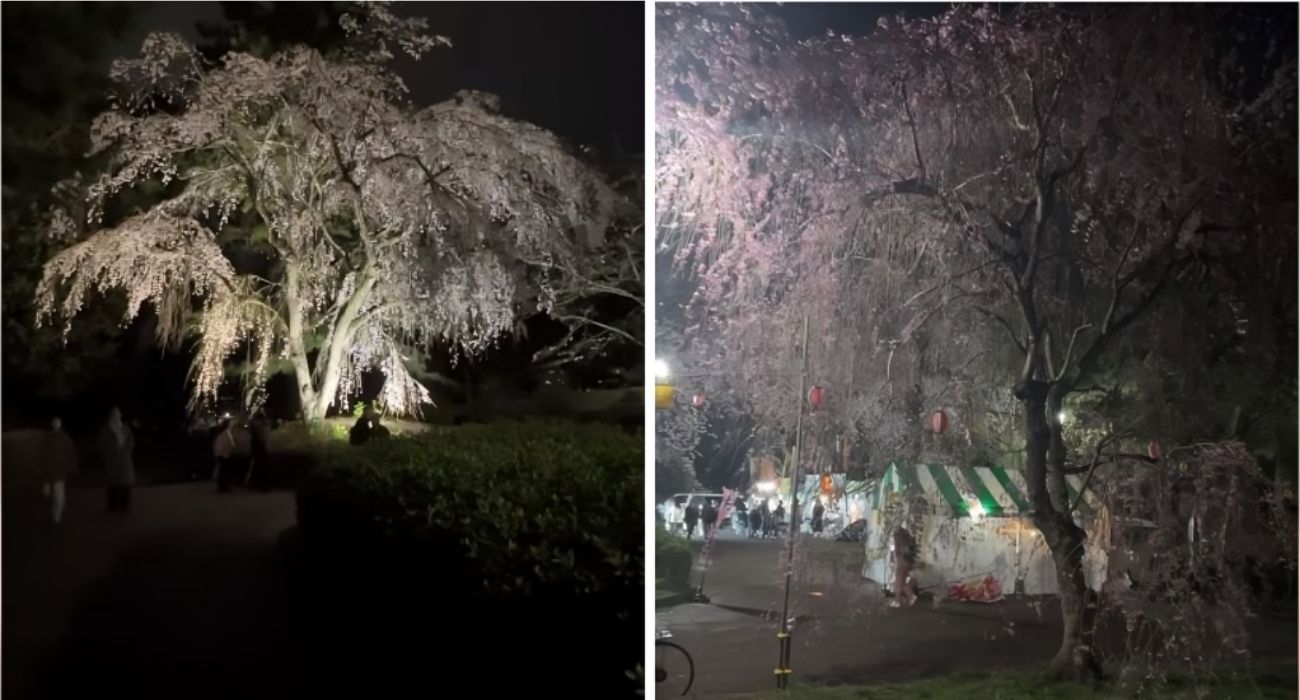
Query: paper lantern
<point x="664" y="395"/>
<point x="697" y="400"/>
<point x="815" y="397"/>
<point x="1153" y="450"/>
<point x="939" y="421"/>
<point x="828" y="485"/>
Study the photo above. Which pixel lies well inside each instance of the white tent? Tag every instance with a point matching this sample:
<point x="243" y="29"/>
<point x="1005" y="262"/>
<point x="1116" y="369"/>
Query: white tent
<point x="975" y="524"/>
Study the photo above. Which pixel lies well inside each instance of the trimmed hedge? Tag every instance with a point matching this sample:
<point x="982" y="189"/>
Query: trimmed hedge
<point x="525" y="538"/>
<point x="673" y="560"/>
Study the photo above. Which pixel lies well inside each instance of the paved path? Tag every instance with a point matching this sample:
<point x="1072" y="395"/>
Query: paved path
<point x="189" y="595"/>
<point x="844" y="632"/>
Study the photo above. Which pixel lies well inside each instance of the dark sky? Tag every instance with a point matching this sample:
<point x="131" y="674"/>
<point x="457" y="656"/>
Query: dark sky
<point x="574" y="68"/>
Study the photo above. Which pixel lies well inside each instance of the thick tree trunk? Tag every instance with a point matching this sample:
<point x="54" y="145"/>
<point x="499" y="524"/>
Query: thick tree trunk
<point x="1076" y="659"/>
<point x="316" y="398"/>
<point x="336" y="347"/>
<point x="298" y="350"/>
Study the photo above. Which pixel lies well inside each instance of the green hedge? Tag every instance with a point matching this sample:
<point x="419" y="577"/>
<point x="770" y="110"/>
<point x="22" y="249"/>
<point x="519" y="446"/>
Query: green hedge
<point x="673" y="561"/>
<point x="512" y="534"/>
<point x="525" y="506"/>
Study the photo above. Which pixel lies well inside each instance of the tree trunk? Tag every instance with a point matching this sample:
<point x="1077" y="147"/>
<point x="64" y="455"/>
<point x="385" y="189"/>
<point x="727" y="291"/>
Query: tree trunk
<point x="298" y="351"/>
<point x="336" y="347"/>
<point x="1044" y="451"/>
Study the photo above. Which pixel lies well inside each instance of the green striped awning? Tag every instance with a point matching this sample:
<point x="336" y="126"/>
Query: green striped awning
<point x="993" y="491"/>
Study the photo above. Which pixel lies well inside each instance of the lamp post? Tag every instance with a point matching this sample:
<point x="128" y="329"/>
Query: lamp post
<point x="783" y="669"/>
<point x="664" y="393"/>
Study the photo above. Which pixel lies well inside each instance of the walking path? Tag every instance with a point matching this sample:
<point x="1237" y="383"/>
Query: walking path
<point x="844" y="632"/>
<point x="188" y="595"/>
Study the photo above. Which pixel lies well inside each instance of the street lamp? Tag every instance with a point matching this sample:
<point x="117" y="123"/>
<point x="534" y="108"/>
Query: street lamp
<point x="815" y="397"/>
<point x="664" y="390"/>
<point x="661" y="370"/>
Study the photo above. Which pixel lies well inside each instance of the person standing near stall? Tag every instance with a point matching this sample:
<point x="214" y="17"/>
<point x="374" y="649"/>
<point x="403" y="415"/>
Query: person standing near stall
<point x="904" y="560"/>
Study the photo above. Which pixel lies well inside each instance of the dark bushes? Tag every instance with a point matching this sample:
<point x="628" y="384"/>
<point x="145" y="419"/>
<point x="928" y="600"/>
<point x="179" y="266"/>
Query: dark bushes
<point x="509" y="552"/>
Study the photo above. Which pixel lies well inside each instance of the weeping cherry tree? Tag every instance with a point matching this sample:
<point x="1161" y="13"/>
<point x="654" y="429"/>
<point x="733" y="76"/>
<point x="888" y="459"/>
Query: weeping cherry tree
<point x="972" y="211"/>
<point x="375" y="228"/>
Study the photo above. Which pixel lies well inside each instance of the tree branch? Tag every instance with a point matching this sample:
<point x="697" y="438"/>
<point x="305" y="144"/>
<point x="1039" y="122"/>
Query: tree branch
<point x="611" y="329"/>
<point x="911" y="123"/>
<point x="1015" y="338"/>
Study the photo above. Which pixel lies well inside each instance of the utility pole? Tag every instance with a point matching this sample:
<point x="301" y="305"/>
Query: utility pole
<point x="783" y="669"/>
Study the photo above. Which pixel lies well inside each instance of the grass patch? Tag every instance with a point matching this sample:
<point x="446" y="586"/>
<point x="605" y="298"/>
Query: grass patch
<point x="301" y="437"/>
<point x="1026" y="686"/>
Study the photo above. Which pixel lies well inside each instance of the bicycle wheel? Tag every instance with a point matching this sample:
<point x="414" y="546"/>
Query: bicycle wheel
<point x="674" y="669"/>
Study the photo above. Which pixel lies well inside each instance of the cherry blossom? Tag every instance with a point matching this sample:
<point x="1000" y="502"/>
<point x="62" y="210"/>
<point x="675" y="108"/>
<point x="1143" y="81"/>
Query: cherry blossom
<point x="385" y="227"/>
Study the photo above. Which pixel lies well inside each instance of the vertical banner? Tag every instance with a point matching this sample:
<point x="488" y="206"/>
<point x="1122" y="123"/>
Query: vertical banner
<point x="706" y="552"/>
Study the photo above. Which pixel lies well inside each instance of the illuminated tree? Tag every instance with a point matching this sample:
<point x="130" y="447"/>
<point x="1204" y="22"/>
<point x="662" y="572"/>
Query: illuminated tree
<point x="973" y="211"/>
<point x="310" y="214"/>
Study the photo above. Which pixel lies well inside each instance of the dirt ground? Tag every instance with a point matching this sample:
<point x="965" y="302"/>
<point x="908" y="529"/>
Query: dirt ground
<point x="844" y="631"/>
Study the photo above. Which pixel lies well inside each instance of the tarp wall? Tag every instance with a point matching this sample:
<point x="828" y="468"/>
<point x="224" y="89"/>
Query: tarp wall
<point x="969" y="531"/>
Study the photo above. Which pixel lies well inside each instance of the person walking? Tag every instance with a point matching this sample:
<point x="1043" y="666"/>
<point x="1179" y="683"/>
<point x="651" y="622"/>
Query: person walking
<point x="741" y="518"/>
<point x="710" y="518"/>
<point x="59" y="462"/>
<point x="116" y="448"/>
<point x="904" y="560"/>
<point x="259" y="466"/>
<point x="766" y="515"/>
<point x="692" y="517"/>
<point x="778" y="516"/>
<point x="818" y="519"/>
<point x="223" y="449"/>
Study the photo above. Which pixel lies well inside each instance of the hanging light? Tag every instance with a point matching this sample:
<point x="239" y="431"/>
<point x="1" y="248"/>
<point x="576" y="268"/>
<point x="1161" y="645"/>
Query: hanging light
<point x="664" y="390"/>
<point x="939" y="421"/>
<point x="1153" y="450"/>
<point x="815" y="397"/>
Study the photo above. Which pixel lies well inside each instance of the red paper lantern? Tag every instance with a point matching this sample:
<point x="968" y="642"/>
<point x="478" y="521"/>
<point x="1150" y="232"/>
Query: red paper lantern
<point x="828" y="485"/>
<point x="939" y="421"/>
<point x="815" y="397"/>
<point x="697" y="400"/>
<point x="1153" y="450"/>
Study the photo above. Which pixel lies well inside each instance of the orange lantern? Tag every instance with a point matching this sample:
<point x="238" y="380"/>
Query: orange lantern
<point x="939" y="421"/>
<point x="815" y="397"/>
<point x="1153" y="450"/>
<point x="827" y="484"/>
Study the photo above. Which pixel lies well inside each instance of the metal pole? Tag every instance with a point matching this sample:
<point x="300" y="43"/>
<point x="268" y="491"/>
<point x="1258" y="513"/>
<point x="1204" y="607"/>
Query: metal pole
<point x="783" y="670"/>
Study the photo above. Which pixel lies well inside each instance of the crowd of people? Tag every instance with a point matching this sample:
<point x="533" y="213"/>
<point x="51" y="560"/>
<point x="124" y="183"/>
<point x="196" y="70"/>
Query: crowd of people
<point x="759" y="520"/>
<point x="114" y="447"/>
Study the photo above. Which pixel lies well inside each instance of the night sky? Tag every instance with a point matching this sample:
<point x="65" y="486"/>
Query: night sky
<point x="574" y="68"/>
